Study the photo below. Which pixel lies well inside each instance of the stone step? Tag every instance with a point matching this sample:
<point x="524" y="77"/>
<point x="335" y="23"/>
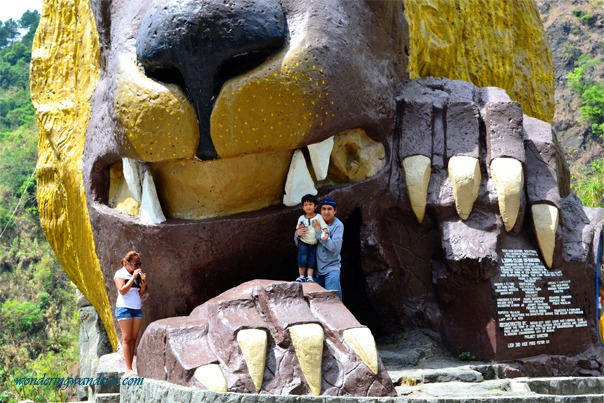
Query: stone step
<point x="511" y="399"/>
<point x="423" y="370"/>
<point x="460" y="385"/>
<point x="499" y="390"/>
<point x="107" y="398"/>
<point x="566" y="385"/>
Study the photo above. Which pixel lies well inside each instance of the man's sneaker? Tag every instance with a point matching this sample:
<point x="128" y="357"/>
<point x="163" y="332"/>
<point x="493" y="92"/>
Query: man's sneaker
<point x="310" y="279"/>
<point x="301" y="279"/>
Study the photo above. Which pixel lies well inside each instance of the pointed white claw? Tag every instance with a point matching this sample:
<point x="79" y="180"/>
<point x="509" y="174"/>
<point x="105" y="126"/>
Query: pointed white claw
<point x="545" y="222"/>
<point x="252" y="343"/>
<point x="362" y="342"/>
<point x="418" y="169"/>
<point x="508" y="177"/>
<point x="319" y="157"/>
<point x="211" y="377"/>
<point x="464" y="173"/>
<point x="299" y="182"/>
<point x="132" y="176"/>
<point x="308" y="343"/>
<point x="151" y="212"/>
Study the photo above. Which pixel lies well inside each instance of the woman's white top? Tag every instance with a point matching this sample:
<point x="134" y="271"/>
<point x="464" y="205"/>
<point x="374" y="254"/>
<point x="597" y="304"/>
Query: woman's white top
<point x="132" y="298"/>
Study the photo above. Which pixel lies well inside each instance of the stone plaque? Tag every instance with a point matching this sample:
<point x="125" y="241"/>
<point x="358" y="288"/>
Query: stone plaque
<point x="534" y="305"/>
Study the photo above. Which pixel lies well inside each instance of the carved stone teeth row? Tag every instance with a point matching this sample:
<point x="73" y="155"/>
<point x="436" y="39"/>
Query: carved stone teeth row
<point x="307" y="340"/>
<point x="465" y="177"/>
<point x="464" y="173"/>
<point x="299" y="181"/>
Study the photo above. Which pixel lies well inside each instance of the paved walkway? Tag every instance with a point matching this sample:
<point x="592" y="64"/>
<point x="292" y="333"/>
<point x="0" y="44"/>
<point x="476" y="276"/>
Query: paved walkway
<point x="423" y="371"/>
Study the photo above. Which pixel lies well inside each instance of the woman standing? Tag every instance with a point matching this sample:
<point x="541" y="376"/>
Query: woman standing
<point x="131" y="286"/>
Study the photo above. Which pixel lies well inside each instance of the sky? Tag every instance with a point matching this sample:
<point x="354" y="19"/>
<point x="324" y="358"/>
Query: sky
<point x="15" y="8"/>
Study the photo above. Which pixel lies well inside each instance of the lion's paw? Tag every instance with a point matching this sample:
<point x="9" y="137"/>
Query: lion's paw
<point x="267" y="337"/>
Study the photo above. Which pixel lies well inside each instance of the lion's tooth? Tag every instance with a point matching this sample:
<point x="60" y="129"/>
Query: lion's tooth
<point x="509" y="182"/>
<point x="132" y="176"/>
<point x="151" y="212"/>
<point x="464" y="173"/>
<point x="545" y="222"/>
<point x="319" y="157"/>
<point x="299" y="182"/>
<point x="418" y="169"/>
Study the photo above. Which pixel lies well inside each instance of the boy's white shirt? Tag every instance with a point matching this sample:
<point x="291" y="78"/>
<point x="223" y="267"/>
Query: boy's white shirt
<point x="310" y="237"/>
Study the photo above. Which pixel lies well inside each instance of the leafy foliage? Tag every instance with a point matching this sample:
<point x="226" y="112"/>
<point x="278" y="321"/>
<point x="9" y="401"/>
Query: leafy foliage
<point x="580" y="78"/>
<point x="588" y="184"/>
<point x="21" y="318"/>
<point x="569" y="52"/>
<point x="590" y="91"/>
<point x="592" y="108"/>
<point x="38" y="312"/>
<point x="15" y="106"/>
<point x="9" y="30"/>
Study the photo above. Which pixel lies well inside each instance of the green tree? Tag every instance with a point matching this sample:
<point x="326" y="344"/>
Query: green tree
<point x="9" y="30"/>
<point x="29" y="21"/>
<point x="22" y="318"/>
<point x="592" y="108"/>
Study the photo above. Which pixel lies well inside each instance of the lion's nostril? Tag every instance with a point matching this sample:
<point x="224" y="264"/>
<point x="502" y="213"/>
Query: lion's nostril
<point x="201" y="44"/>
<point x="236" y="66"/>
<point x="166" y="75"/>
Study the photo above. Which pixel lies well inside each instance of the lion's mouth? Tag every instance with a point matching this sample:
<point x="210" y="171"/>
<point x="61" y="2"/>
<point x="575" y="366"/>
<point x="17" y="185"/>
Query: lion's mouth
<point x="222" y="117"/>
<point x="194" y="189"/>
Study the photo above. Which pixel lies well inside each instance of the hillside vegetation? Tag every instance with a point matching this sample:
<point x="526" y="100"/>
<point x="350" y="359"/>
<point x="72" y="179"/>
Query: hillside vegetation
<point x="575" y="31"/>
<point x="38" y="314"/>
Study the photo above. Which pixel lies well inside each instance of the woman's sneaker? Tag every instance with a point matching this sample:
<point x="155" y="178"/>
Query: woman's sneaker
<point x="301" y="279"/>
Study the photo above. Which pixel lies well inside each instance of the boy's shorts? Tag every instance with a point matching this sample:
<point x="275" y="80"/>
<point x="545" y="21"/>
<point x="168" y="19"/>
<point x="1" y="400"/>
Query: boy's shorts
<point x="307" y="255"/>
<point x="128" y="313"/>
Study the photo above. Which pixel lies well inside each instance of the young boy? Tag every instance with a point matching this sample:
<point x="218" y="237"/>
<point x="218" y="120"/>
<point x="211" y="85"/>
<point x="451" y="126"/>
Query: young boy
<point x="305" y="238"/>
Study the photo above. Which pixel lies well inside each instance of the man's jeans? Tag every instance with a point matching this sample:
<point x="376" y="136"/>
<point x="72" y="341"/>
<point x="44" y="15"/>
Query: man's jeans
<point x="330" y="281"/>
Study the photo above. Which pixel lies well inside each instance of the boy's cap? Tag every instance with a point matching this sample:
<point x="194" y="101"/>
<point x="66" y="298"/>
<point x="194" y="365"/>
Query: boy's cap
<point x="329" y="201"/>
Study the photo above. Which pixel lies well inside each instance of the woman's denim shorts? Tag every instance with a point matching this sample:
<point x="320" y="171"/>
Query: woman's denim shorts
<point x="128" y="313"/>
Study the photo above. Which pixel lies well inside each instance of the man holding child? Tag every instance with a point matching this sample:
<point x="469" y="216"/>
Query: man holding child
<point x="328" y="248"/>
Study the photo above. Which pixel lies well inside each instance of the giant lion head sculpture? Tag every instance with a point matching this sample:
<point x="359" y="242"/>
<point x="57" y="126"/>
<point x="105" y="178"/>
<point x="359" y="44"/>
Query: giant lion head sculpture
<point x="187" y="131"/>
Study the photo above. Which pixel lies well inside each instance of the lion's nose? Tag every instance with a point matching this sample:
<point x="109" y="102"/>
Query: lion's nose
<point x="199" y="44"/>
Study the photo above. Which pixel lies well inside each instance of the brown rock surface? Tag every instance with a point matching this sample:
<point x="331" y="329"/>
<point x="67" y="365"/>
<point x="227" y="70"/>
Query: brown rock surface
<point x="173" y="349"/>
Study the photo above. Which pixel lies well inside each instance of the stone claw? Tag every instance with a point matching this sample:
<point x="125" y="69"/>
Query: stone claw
<point x="211" y="376"/>
<point x="308" y="344"/>
<point x="253" y="343"/>
<point x="418" y="169"/>
<point x="362" y="342"/>
<point x="263" y="336"/>
<point x="508" y="177"/>
<point x="545" y="223"/>
<point x="464" y="173"/>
